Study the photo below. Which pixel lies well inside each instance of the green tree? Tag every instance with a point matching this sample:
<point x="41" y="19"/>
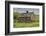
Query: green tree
<point x="16" y="15"/>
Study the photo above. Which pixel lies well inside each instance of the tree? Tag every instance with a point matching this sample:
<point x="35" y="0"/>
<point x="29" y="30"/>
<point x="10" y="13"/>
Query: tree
<point x="16" y="15"/>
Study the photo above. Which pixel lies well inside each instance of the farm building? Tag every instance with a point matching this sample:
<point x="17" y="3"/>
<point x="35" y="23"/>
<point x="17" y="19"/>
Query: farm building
<point x="27" y="17"/>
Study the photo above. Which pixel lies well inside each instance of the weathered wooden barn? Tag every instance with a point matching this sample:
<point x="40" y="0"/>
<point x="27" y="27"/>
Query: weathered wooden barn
<point x="26" y="17"/>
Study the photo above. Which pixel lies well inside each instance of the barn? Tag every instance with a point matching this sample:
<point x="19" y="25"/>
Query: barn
<point x="26" y="17"/>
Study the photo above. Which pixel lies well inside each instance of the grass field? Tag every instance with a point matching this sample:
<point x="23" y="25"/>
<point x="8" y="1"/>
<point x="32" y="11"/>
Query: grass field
<point x="30" y="24"/>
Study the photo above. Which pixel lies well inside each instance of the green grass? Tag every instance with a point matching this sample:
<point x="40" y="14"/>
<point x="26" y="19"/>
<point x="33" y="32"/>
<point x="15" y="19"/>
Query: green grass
<point x="23" y="24"/>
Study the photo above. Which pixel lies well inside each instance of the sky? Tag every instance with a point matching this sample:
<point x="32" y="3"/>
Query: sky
<point x="23" y="10"/>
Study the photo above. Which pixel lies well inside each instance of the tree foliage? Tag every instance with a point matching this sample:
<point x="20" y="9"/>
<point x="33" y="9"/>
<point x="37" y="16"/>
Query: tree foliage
<point x="16" y="15"/>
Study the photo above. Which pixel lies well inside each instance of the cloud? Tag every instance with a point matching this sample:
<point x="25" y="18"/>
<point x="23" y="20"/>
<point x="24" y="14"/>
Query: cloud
<point x="23" y="10"/>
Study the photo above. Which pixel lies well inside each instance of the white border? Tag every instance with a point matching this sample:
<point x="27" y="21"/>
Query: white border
<point x="26" y="28"/>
